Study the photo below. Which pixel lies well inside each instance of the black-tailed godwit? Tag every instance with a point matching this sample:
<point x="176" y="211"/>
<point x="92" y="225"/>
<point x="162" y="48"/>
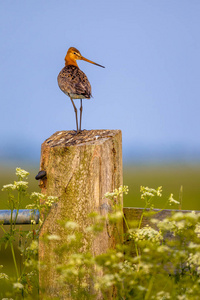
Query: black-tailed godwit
<point x="73" y="82"/>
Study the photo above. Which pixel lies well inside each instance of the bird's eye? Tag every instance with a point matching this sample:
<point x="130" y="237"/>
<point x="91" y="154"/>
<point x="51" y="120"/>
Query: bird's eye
<point x="74" y="52"/>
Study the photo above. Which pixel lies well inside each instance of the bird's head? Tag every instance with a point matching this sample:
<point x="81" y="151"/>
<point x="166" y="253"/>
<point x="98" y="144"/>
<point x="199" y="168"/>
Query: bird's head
<point x="73" y="55"/>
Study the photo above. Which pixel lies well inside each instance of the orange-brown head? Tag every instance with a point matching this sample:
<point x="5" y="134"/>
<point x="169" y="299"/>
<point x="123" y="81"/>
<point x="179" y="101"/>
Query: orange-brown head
<point x="73" y="55"/>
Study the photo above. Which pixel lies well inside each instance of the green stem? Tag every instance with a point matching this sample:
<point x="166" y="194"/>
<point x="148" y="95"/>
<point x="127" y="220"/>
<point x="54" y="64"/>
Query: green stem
<point x="11" y="224"/>
<point x="136" y="250"/>
<point x="139" y="226"/>
<point x="125" y="220"/>
<point x="14" y="259"/>
<point x="18" y="205"/>
<point x="141" y="218"/>
<point x="3" y="229"/>
<point x="151" y="282"/>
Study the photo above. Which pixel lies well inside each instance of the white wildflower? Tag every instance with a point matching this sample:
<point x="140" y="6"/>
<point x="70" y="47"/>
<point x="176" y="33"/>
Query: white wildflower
<point x="32" y="206"/>
<point x="76" y="259"/>
<point x="162" y="295"/>
<point x="182" y="297"/>
<point x="194" y="261"/>
<point x="37" y="195"/>
<point x="127" y="265"/>
<point x="22" y="173"/>
<point x="197" y="230"/>
<point x="71" y="238"/>
<point x="53" y="237"/>
<point x="166" y="225"/>
<point x="33" y="222"/>
<point x="117" y="192"/>
<point x="120" y="254"/>
<point x="52" y="198"/>
<point x="18" y="185"/>
<point x="146" y="250"/>
<point x="107" y="280"/>
<point x="33" y="245"/>
<point x="18" y="285"/>
<point x="7" y="187"/>
<point x="116" y="216"/>
<point x="178" y="215"/>
<point x="71" y="225"/>
<point x="147" y="192"/>
<point x="21" y="185"/>
<point x="109" y="195"/>
<point x="154" y="221"/>
<point x="159" y="191"/>
<point x="190" y="216"/>
<point x="146" y="267"/>
<point x="172" y="201"/>
<point x="4" y="276"/>
<point x="49" y="203"/>
<point x="146" y="233"/>
<point x="164" y="249"/>
<point x="192" y="245"/>
<point x="141" y="288"/>
<point x="180" y="224"/>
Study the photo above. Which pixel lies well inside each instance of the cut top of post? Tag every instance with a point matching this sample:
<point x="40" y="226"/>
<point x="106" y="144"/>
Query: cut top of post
<point x="70" y="138"/>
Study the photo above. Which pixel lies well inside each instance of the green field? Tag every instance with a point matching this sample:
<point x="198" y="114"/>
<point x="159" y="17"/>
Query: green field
<point x="170" y="177"/>
<point x="7" y="175"/>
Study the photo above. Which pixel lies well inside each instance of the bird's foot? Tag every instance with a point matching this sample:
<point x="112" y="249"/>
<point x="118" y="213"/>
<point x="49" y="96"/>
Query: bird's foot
<point x="73" y="132"/>
<point x="79" y="131"/>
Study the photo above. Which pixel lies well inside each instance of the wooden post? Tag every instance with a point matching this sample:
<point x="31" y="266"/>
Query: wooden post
<point x="80" y="170"/>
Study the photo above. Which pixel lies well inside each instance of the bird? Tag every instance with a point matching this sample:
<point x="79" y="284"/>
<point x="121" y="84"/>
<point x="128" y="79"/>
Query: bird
<point x="73" y="82"/>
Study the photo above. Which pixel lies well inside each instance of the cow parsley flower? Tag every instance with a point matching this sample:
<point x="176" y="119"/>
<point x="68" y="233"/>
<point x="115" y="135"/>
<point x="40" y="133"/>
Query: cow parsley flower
<point x="4" y="276"/>
<point x="8" y="187"/>
<point x="18" y="285"/>
<point x="147" y="192"/>
<point x="21" y="173"/>
<point x="146" y="233"/>
<point x="21" y="185"/>
<point x="117" y="192"/>
<point x="172" y="201"/>
<point x="53" y="237"/>
<point x="197" y="230"/>
<point x="71" y="225"/>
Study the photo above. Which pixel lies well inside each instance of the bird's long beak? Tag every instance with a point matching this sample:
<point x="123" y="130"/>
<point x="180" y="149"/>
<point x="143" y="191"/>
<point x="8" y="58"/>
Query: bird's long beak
<point x="83" y="58"/>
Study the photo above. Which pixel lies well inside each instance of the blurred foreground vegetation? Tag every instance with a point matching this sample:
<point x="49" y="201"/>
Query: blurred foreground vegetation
<point x="166" y="250"/>
<point x="170" y="177"/>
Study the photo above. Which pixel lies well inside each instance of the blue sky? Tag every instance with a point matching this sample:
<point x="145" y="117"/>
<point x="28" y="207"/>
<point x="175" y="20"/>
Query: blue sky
<point x="149" y="88"/>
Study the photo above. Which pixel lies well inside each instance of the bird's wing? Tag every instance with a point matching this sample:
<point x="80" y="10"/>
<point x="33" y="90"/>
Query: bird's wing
<point x="73" y="81"/>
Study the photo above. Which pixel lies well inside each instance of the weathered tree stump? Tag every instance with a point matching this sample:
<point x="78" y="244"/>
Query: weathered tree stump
<point x="80" y="170"/>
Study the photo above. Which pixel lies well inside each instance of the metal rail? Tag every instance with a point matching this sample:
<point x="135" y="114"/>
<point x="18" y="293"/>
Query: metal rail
<point x="24" y="216"/>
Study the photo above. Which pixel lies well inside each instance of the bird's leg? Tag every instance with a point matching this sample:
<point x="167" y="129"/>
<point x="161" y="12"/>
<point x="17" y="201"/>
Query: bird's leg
<point x="75" y="109"/>
<point x="81" y="109"/>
